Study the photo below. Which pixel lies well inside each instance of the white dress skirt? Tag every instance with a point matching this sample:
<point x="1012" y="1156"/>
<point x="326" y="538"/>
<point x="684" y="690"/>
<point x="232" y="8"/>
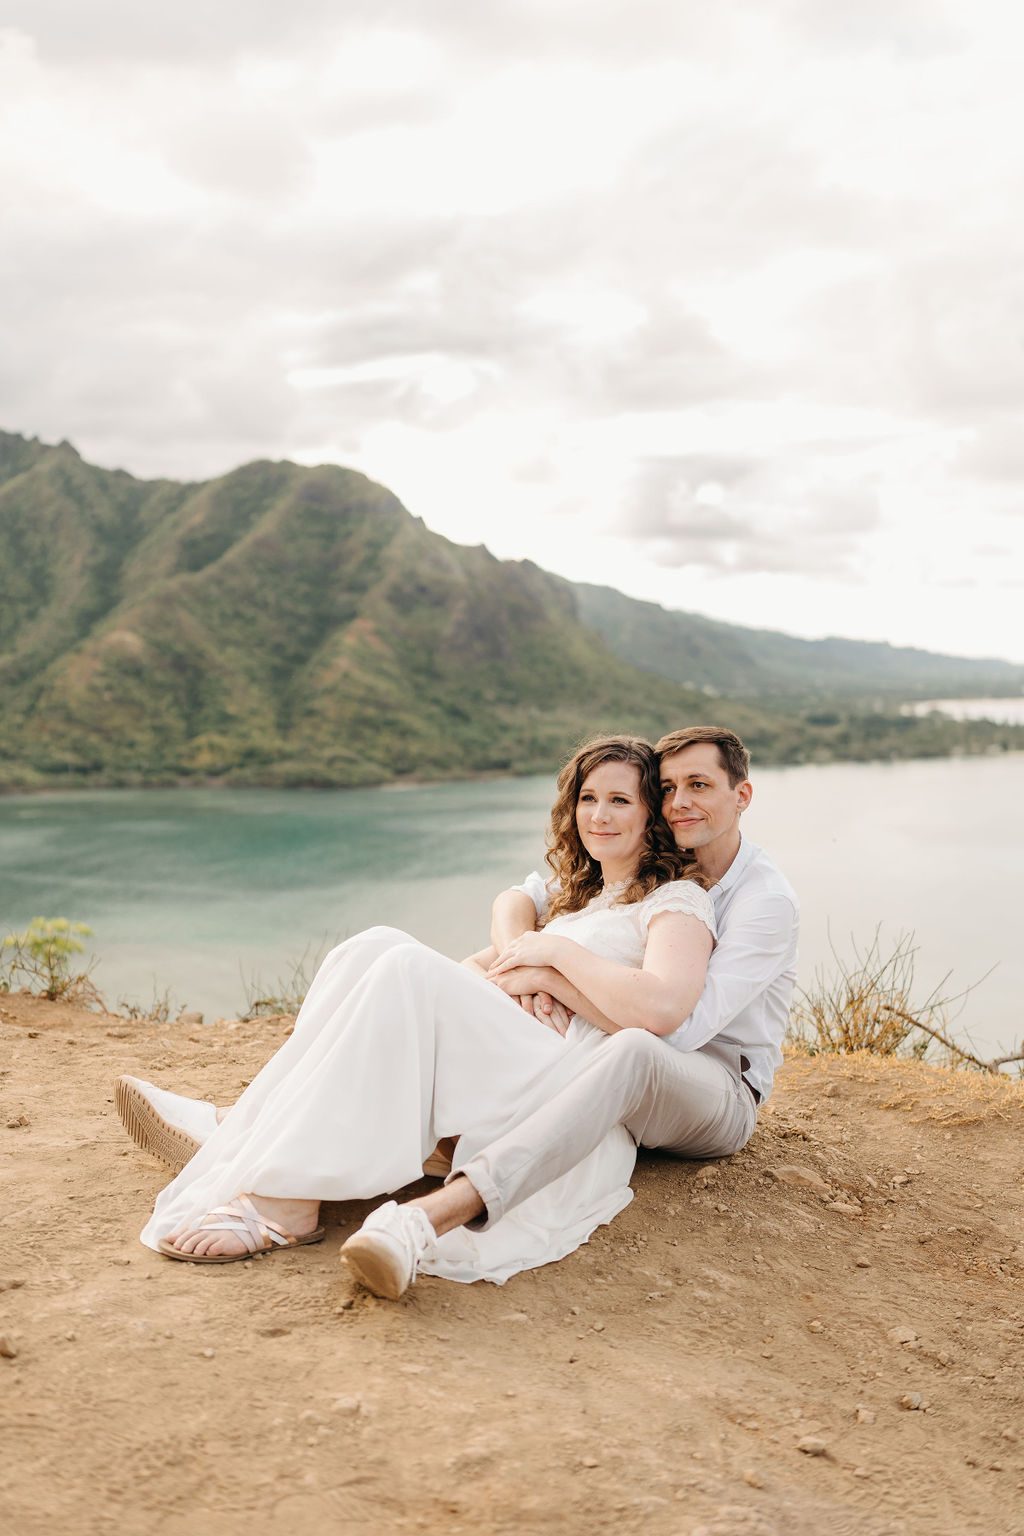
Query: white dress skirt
<point x="396" y="1047"/>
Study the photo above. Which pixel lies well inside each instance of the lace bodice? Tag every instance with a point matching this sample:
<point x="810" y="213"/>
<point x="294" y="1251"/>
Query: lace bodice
<point x="619" y="932"/>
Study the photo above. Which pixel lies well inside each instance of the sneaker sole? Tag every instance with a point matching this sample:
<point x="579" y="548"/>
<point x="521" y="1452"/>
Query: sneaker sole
<point x="373" y="1266"/>
<point x="150" y="1131"/>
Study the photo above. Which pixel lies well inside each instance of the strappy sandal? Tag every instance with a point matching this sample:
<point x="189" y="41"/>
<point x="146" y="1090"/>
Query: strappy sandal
<point x="259" y="1234"/>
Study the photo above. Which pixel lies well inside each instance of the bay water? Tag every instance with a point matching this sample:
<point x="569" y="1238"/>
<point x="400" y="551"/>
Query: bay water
<point x="213" y="896"/>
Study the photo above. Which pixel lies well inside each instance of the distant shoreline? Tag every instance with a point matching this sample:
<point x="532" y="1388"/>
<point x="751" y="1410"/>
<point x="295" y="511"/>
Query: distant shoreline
<point x="51" y="784"/>
<point x="223" y="782"/>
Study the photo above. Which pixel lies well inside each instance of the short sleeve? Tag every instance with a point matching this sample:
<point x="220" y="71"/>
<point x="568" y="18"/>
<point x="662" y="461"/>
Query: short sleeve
<point x="679" y="896"/>
<point x="538" y="889"/>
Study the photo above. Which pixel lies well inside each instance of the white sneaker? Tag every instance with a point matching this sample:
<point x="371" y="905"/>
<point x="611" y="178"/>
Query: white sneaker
<point x="170" y="1126"/>
<point x="385" y="1253"/>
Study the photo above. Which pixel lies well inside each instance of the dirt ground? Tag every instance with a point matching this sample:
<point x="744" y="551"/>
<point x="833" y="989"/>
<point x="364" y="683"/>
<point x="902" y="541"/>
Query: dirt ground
<point x="736" y="1355"/>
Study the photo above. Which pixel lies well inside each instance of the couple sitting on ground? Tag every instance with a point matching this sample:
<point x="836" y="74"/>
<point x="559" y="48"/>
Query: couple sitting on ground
<point x="636" y="996"/>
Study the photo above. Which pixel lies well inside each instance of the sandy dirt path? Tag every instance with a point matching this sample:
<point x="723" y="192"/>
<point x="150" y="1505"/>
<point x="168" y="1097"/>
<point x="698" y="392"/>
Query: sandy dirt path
<point x="734" y="1356"/>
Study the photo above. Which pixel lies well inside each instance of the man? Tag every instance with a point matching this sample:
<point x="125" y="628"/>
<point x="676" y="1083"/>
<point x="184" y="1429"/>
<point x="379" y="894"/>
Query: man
<point x="745" y="1001"/>
<point x="694" y="1093"/>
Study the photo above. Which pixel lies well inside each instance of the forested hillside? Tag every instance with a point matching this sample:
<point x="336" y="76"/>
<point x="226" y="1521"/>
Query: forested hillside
<point x="286" y="625"/>
<point x="753" y="663"/>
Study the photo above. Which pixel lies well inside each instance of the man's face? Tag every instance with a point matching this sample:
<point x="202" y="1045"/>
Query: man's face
<point x="698" y="802"/>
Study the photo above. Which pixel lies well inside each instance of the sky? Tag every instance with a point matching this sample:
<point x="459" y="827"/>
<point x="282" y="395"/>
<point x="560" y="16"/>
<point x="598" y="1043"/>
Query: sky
<point x="720" y="305"/>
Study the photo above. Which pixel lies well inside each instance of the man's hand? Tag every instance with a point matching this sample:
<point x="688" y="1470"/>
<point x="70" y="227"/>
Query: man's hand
<point x="527" y="985"/>
<point x="540" y="1005"/>
<point x="548" y="1010"/>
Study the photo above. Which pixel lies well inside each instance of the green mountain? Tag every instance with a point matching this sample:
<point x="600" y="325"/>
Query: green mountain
<point x="285" y="625"/>
<point x="755" y="663"/>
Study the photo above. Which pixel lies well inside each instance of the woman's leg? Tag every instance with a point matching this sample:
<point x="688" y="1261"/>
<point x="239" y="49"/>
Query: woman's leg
<point x="395" y="1047"/>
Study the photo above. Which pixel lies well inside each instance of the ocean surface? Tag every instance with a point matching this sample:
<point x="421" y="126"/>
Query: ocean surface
<point x="213" y="896"/>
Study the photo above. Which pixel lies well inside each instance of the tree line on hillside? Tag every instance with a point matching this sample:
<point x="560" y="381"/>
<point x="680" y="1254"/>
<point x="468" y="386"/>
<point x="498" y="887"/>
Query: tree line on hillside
<point x="291" y="626"/>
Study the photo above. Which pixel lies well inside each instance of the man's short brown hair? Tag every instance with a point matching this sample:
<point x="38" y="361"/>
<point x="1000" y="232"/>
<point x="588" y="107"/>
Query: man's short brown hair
<point x="733" y="755"/>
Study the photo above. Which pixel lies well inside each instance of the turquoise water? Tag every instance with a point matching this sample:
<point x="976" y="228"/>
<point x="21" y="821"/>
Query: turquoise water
<point x="208" y="892"/>
<point x="215" y="893"/>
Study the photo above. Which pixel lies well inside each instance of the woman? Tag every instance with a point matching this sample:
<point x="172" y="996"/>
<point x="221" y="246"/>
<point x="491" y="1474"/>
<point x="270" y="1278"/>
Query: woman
<point x="397" y="1047"/>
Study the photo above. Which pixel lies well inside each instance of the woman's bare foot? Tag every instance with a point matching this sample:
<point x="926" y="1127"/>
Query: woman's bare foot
<point x="298" y="1217"/>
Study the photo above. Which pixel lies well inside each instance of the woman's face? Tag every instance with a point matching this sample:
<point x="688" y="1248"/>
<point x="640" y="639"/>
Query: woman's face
<point x="611" y="818"/>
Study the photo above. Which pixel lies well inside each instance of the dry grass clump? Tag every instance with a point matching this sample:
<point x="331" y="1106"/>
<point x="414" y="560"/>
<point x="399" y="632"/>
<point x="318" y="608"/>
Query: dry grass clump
<point x="285" y="996"/>
<point x="869" y="1006"/>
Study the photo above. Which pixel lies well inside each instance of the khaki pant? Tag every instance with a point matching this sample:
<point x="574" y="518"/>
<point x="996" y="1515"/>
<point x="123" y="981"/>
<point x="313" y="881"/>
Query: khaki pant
<point x="692" y="1103"/>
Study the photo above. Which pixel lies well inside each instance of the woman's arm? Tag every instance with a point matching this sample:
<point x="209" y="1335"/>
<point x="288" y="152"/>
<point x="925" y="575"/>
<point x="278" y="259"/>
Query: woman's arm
<point x="541" y="1004"/>
<point x="547" y="985"/>
<point x="659" y="996"/>
<point x="480" y="962"/>
<point x="512" y="913"/>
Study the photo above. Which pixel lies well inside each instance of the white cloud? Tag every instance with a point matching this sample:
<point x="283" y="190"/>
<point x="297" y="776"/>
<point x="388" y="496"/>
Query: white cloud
<point x="719" y="304"/>
<point x="733" y="515"/>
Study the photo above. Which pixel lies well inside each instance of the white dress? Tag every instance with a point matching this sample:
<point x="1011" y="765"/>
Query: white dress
<point x="396" y="1047"/>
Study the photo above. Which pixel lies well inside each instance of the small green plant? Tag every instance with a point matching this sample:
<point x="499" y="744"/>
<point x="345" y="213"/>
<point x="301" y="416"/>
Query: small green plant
<point x="41" y="956"/>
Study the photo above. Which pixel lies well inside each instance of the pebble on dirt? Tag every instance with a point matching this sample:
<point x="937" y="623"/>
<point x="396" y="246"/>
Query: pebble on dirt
<point x="798" y="1177"/>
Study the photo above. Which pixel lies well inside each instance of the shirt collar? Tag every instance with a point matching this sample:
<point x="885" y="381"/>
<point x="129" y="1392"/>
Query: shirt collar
<point x="744" y="854"/>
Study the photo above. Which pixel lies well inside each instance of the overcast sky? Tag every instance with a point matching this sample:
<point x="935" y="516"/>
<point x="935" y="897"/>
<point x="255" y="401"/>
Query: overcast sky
<point x="722" y="305"/>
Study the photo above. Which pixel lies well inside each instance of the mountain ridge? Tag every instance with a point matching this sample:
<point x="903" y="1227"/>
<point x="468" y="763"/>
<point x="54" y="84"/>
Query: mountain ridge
<point x="678" y="645"/>
<point x="289" y="625"/>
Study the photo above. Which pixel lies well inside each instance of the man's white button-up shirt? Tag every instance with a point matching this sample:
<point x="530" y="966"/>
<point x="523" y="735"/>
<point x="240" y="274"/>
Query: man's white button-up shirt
<point x="752" y="969"/>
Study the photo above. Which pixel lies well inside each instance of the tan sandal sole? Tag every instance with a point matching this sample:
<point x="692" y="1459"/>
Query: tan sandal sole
<point x="151" y="1131"/>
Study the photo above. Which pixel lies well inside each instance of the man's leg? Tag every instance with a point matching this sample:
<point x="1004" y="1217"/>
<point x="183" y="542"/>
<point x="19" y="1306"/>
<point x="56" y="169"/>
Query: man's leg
<point x="689" y="1103"/>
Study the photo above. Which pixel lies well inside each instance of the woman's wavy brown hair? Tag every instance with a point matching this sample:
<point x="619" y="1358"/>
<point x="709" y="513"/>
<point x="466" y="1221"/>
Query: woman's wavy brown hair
<point x="578" y="874"/>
